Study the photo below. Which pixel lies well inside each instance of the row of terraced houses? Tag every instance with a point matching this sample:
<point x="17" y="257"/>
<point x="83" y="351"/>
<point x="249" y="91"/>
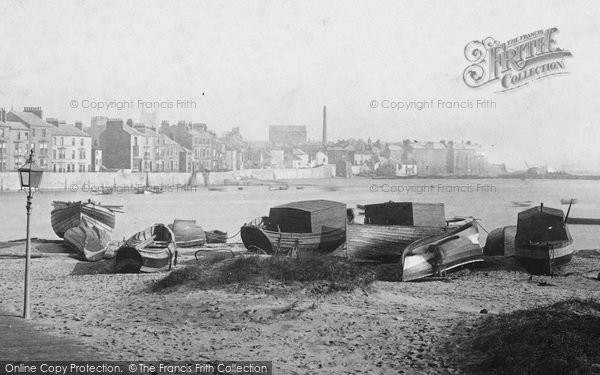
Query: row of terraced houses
<point x="117" y="144"/>
<point x="114" y="144"/>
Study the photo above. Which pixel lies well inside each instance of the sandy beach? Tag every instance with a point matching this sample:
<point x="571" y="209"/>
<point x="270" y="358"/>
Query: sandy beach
<point x="391" y="327"/>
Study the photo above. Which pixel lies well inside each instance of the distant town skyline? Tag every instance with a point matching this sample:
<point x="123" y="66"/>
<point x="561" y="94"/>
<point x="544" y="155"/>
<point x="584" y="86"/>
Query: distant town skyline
<point x="258" y="63"/>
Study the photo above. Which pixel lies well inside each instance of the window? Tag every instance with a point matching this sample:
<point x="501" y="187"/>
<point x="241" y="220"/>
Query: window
<point x="54" y="155"/>
<point x="1" y="132"/>
<point x="19" y="136"/>
<point x="72" y="141"/>
<point x="81" y="142"/>
<point x="62" y="141"/>
<point x="33" y="132"/>
<point x="73" y="154"/>
<point x="44" y="133"/>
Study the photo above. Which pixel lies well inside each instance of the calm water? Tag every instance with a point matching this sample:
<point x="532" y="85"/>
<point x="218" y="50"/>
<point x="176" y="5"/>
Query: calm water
<point x="230" y="208"/>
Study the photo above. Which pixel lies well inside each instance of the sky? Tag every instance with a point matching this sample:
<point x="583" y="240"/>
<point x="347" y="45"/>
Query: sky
<point x="257" y="63"/>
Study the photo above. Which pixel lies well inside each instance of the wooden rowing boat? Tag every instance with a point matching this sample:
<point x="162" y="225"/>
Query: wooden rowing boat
<point x="90" y="242"/>
<point x="382" y="243"/>
<point x="258" y="239"/>
<point x="316" y="226"/>
<point x="440" y="253"/>
<point x="187" y="233"/>
<point x="501" y="242"/>
<point x="390" y="227"/>
<point x="67" y="215"/>
<point x="543" y="241"/>
<point x="151" y="250"/>
<point x="215" y="236"/>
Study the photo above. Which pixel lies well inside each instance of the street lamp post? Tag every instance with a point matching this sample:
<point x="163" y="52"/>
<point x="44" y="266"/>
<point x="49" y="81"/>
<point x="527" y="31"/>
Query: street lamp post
<point x="30" y="176"/>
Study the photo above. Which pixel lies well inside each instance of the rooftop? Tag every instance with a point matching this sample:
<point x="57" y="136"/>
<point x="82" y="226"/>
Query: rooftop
<point x="68" y="130"/>
<point x="30" y="119"/>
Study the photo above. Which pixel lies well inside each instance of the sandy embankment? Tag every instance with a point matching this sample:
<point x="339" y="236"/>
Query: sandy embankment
<point x="393" y="328"/>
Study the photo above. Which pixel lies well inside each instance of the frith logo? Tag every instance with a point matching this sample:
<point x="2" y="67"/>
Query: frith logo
<point x="515" y="63"/>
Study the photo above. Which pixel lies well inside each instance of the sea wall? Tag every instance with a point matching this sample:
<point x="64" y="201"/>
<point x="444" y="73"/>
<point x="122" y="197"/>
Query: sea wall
<point x="219" y="178"/>
<point x="9" y="181"/>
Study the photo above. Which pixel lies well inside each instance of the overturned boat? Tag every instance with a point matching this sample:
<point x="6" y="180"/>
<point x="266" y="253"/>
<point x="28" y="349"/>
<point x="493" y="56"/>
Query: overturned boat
<point x="187" y="233"/>
<point x="316" y="226"/>
<point x="501" y="242"/>
<point x="90" y="242"/>
<point x="437" y="254"/>
<point x="151" y="250"/>
<point x="67" y="215"/>
<point x="543" y="241"/>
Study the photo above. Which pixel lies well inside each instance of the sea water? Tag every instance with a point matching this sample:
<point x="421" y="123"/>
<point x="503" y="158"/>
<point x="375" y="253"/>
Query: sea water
<point x="229" y="207"/>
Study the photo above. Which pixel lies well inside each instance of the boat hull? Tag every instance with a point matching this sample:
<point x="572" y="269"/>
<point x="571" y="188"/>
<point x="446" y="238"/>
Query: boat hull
<point x="501" y="242"/>
<point x="543" y="259"/>
<point x="543" y="241"/>
<point x="256" y="238"/>
<point x="187" y="233"/>
<point x="90" y="243"/>
<point x="69" y="215"/>
<point x="382" y="243"/>
<point x="441" y="253"/>
<point x="151" y="250"/>
<point x="215" y="236"/>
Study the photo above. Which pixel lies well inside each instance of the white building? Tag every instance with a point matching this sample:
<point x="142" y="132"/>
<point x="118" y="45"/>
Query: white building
<point x="318" y="158"/>
<point x="71" y="149"/>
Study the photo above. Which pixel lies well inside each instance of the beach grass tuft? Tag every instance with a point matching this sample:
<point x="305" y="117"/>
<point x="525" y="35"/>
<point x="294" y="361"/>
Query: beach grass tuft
<point x="339" y="274"/>
<point x="563" y="338"/>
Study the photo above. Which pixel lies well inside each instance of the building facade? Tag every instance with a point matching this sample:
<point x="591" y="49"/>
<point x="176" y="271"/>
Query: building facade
<point x="197" y="138"/>
<point x="121" y="146"/>
<point x="71" y="149"/>
<point x="430" y="157"/>
<point x="14" y="143"/>
<point x="38" y="136"/>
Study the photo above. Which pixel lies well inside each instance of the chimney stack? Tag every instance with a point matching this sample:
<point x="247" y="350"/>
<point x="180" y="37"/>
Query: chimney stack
<point x="79" y="125"/>
<point x="116" y="123"/>
<point x="52" y="121"/>
<point x="2" y="115"/>
<point x="324" y="125"/>
<point x="35" y="110"/>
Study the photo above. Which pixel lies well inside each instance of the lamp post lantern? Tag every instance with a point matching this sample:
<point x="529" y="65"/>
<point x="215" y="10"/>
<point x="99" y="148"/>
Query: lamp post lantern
<point x="30" y="176"/>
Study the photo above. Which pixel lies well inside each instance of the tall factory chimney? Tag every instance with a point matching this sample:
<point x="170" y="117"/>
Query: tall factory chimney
<point x="324" y="125"/>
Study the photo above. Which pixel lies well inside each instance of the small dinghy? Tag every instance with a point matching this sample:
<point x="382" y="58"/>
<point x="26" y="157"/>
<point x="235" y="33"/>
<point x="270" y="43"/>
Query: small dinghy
<point x="90" y="242"/>
<point x="441" y="253"/>
<point x="151" y="250"/>
<point x="67" y="215"/>
<point x="187" y="233"/>
<point x="215" y="236"/>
